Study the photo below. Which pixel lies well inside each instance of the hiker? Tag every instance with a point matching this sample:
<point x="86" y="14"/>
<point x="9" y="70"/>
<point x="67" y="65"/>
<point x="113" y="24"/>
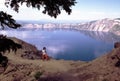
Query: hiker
<point x="44" y="54"/>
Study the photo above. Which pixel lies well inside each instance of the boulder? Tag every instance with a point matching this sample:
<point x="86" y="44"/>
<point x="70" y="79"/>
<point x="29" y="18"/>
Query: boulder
<point x="117" y="44"/>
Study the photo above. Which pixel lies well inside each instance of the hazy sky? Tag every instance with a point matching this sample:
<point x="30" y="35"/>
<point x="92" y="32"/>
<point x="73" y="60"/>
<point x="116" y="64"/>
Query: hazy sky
<point x="84" y="10"/>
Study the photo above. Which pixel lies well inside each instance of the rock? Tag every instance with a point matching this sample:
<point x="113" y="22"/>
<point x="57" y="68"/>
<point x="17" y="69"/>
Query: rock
<point x="117" y="44"/>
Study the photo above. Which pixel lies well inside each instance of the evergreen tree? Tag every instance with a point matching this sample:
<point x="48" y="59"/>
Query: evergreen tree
<point x="50" y="7"/>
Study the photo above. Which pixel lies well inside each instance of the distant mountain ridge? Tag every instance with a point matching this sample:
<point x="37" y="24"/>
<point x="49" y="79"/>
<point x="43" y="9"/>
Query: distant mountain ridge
<point x="105" y="25"/>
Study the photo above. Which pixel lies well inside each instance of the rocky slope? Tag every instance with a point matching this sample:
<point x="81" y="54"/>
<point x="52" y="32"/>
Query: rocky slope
<point x="27" y="51"/>
<point x="106" y="25"/>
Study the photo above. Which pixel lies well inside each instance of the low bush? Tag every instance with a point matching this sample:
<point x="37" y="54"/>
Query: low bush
<point x="38" y="75"/>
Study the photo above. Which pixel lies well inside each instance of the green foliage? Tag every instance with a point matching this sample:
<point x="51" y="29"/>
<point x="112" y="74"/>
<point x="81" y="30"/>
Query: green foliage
<point x="38" y="75"/>
<point x="7" y="20"/>
<point x="51" y="7"/>
<point x="7" y="44"/>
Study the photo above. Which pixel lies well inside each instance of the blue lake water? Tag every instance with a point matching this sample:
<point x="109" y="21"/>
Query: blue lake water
<point x="68" y="44"/>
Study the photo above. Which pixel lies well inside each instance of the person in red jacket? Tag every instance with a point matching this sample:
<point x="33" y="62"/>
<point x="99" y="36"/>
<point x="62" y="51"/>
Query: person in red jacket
<point x="44" y="54"/>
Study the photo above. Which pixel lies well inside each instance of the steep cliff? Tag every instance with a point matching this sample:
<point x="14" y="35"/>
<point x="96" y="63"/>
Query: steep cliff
<point x="105" y="25"/>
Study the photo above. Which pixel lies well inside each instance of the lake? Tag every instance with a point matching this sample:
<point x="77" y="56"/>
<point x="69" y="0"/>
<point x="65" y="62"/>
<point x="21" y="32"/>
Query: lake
<point x="68" y="44"/>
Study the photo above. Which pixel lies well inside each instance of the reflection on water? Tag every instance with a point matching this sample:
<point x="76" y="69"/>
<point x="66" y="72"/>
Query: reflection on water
<point x="68" y="44"/>
<point x="102" y="36"/>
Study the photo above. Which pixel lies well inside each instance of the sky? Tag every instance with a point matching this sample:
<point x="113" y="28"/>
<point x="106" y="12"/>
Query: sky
<point x="83" y="10"/>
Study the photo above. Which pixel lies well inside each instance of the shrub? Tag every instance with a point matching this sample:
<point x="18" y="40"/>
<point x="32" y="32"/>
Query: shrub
<point x="38" y="75"/>
<point x="104" y="80"/>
